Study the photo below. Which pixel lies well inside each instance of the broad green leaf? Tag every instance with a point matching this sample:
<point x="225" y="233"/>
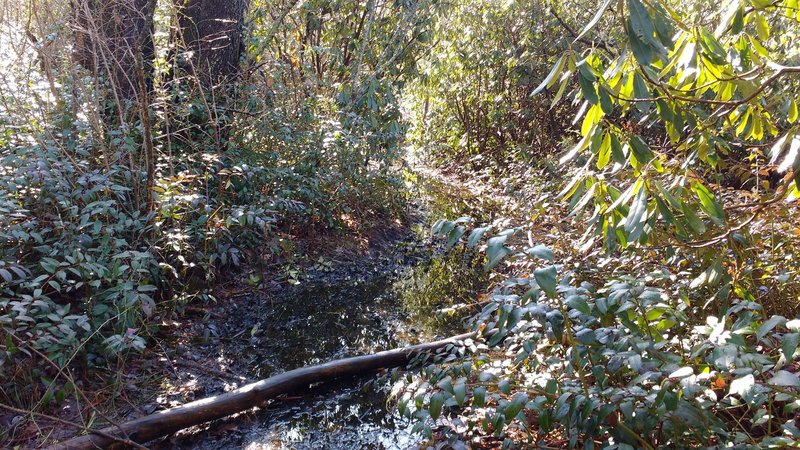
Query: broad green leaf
<point x="695" y="223"/>
<point x="546" y="278"/>
<point x="664" y="29"/>
<point x="641" y="92"/>
<point x="579" y="303"/>
<point x="460" y="392"/>
<point x="476" y="236"/>
<point x="455" y="234"/>
<point x="514" y="407"/>
<point x="712" y="48"/>
<point x="588" y="90"/>
<point x="640" y="22"/>
<point x="605" y="100"/>
<point x="709" y="204"/>
<point x="435" y="407"/>
<point x="683" y="372"/>
<point x="504" y="386"/>
<point x="742" y="386"/>
<point x="479" y="397"/>
<point x="789" y="343"/>
<point x="540" y="251"/>
<point x="738" y="20"/>
<point x="642" y="51"/>
<point x="784" y="378"/>
<point x="616" y="150"/>
<point x="641" y="151"/>
<point x="496" y="251"/>
<point x="762" y="28"/>
<point x="769" y="325"/>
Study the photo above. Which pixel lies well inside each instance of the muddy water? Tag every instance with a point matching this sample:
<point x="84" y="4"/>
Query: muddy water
<point x="386" y="302"/>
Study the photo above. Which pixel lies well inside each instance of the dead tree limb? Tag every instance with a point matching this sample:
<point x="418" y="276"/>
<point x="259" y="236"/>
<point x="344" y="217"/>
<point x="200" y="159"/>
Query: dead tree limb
<point x="171" y="420"/>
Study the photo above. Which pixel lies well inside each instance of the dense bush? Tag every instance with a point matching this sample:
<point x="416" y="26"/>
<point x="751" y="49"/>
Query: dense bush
<point x="128" y="187"/>
<point x="663" y="325"/>
<point x="473" y="100"/>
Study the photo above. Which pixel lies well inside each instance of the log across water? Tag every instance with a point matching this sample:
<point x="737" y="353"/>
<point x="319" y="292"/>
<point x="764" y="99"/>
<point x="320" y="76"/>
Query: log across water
<point x="171" y="420"/>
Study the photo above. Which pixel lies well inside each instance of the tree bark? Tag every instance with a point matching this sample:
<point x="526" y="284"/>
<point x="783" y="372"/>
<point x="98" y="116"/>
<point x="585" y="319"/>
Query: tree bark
<point x="108" y="36"/>
<point x="212" y="33"/>
<point x="169" y="421"/>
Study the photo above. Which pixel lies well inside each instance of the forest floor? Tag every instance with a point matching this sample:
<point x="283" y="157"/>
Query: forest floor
<point x="339" y="299"/>
<point x="265" y="319"/>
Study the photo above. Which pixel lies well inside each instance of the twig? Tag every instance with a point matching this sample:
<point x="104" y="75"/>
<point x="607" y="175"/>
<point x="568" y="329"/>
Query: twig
<point x="73" y="424"/>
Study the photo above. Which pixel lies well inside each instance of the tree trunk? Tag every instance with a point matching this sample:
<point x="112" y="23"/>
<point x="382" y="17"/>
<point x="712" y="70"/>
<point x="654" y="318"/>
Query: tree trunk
<point x="108" y="36"/>
<point x="212" y="33"/>
<point x="169" y="421"/>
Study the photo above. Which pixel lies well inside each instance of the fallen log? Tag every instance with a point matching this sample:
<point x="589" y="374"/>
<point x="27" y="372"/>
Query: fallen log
<point x="166" y="422"/>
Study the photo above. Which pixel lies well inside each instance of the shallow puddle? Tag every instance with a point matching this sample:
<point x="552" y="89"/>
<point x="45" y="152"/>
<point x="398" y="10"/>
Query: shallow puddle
<point x="389" y="306"/>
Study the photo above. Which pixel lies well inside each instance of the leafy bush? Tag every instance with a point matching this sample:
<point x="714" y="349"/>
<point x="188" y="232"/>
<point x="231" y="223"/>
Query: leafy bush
<point x="622" y="365"/>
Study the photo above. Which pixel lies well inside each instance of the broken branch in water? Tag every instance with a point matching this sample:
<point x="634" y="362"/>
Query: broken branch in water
<point x="171" y="420"/>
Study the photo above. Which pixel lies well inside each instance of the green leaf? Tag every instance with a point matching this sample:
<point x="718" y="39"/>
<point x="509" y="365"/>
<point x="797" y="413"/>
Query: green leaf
<point x="709" y="204"/>
<point x="588" y="89"/>
<point x="455" y="234"/>
<point x="742" y="386"/>
<point x="593" y="22"/>
<point x="738" y="21"/>
<point x="616" y="150"/>
<point x="712" y="48"/>
<point x="579" y="303"/>
<point x="664" y="29"/>
<point x="514" y="407"/>
<point x="496" y="250"/>
<point x="695" y="223"/>
<point x="540" y="251"/>
<point x="641" y="151"/>
<point x="642" y="51"/>
<point x="479" y="397"/>
<point x="560" y="93"/>
<point x="640" y="91"/>
<point x="460" y="392"/>
<point x="551" y="77"/>
<point x="641" y="23"/>
<point x="606" y="103"/>
<point x="784" y="378"/>
<point x="476" y="236"/>
<point x="634" y="222"/>
<point x="762" y="28"/>
<point x="546" y="278"/>
<point x="435" y="407"/>
<point x="789" y="343"/>
<point x="768" y="325"/>
<point x="604" y="155"/>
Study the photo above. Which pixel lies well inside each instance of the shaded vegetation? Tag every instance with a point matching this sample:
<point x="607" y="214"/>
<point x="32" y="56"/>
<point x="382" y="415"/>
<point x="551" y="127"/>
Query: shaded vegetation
<point x="622" y="228"/>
